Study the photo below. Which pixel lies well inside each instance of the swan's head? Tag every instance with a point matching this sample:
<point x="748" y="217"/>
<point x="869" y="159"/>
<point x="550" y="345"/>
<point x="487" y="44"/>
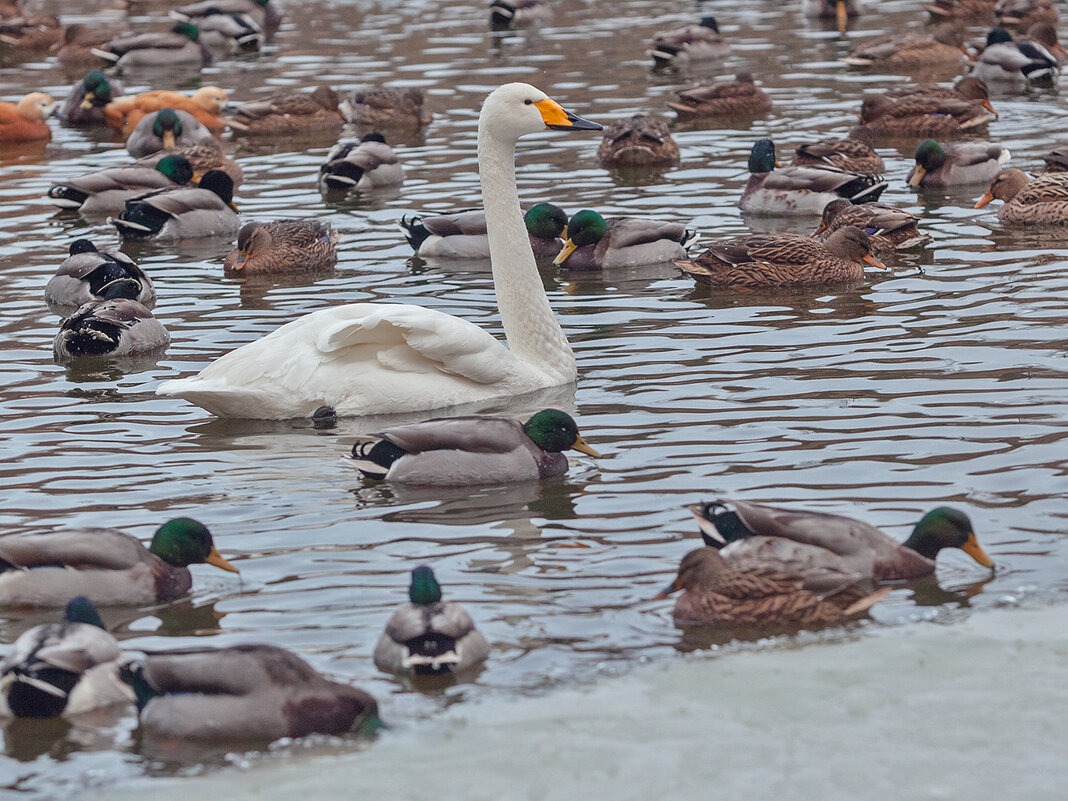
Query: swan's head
<point x="517" y="109"/>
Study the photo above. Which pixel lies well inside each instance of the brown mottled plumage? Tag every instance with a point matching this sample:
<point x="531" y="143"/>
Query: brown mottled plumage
<point x="944" y="46"/>
<point x="283" y="246"/>
<point x="638" y="141"/>
<point x="888" y="228"/>
<point x="855" y="153"/>
<point x="751" y="593"/>
<point x="737" y="97"/>
<point x="28" y="33"/>
<point x="1041" y="200"/>
<point x="977" y="11"/>
<point x="382" y="107"/>
<point x="784" y="260"/>
<point x="284" y="114"/>
<point x="928" y="110"/>
<point x="1024" y="13"/>
<point x="75" y="50"/>
<point x="1057" y="159"/>
<point x="204" y="156"/>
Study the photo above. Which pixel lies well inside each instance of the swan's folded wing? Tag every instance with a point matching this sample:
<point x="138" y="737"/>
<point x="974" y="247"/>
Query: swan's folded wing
<point x="469" y="434"/>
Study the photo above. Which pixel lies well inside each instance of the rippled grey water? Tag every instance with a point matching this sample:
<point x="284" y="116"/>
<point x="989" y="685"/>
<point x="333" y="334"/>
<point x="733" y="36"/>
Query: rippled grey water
<point x="941" y="382"/>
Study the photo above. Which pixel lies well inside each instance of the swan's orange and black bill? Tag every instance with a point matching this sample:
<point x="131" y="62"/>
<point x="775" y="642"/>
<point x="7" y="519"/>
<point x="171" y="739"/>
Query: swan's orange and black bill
<point x="558" y="119"/>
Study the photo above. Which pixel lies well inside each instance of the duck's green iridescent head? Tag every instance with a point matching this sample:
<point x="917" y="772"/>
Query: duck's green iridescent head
<point x="762" y="156"/>
<point x="183" y="541"/>
<point x="546" y="221"/>
<point x="81" y="610"/>
<point x="555" y="431"/>
<point x="929" y="156"/>
<point x="167" y="126"/>
<point x="97" y="90"/>
<point x="187" y="29"/>
<point x="946" y="528"/>
<point x="585" y="228"/>
<point x="177" y="168"/>
<point x="424" y="589"/>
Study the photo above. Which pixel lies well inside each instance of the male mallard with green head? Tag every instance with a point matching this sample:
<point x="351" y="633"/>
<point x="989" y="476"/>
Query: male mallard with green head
<point x="596" y="243"/>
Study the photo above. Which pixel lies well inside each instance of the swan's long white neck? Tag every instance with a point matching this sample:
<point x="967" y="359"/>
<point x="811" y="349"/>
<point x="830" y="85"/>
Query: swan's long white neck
<point x="530" y="326"/>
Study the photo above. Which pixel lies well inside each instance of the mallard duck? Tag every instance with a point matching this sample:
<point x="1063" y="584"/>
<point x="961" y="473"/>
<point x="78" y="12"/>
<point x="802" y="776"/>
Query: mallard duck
<point x="638" y="141"/>
<point x="888" y="228"/>
<point x="203" y="156"/>
<point x="767" y="260"/>
<point x="841" y="11"/>
<point x="800" y="189"/>
<point x="85" y="273"/>
<point x="594" y="243"/>
<point x="243" y="692"/>
<point x="944" y="46"/>
<point x="428" y="636"/>
<point x="928" y="110"/>
<point x="1023" y="14"/>
<point x="74" y="51"/>
<point x="462" y="234"/>
<point x="229" y="34"/>
<point x="1006" y="61"/>
<point x="182" y="212"/>
<point x="680" y="46"/>
<point x="283" y="246"/>
<point x="165" y="128"/>
<point x="284" y="114"/>
<point x="752" y="593"/>
<point x="105" y="565"/>
<point x="21" y="32"/>
<point x="385" y="107"/>
<point x="25" y="121"/>
<point x="472" y="450"/>
<point x="733" y="98"/>
<point x="85" y="103"/>
<point x="106" y="191"/>
<point x="519" y="13"/>
<point x="1057" y="159"/>
<point x="113" y="327"/>
<point x="956" y="163"/>
<point x="178" y="47"/>
<point x="1041" y="200"/>
<point x="1043" y="35"/>
<point x="855" y="153"/>
<point x="205" y="106"/>
<point x="367" y="164"/>
<point x="977" y="11"/>
<point x="797" y="538"/>
<point x="263" y="12"/>
<point x="63" y="668"/>
<point x="338" y="356"/>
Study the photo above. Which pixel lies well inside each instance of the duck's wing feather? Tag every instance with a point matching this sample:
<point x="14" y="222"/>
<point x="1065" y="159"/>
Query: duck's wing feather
<point x="965" y="154"/>
<point x="234" y="670"/>
<point x="625" y="232"/>
<point x="412" y="620"/>
<point x="76" y="647"/>
<point x="461" y="223"/>
<point x="470" y="434"/>
<point x="814" y="179"/>
<point x="841" y="535"/>
<point x="103" y="548"/>
<point x="182" y="200"/>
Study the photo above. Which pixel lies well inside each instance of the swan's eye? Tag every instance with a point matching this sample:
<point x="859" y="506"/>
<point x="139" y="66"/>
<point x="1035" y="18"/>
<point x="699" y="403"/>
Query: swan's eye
<point x="528" y="101"/>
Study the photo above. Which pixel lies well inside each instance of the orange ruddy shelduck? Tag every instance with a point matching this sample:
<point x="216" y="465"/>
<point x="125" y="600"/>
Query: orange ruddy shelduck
<point x="206" y="104"/>
<point x="25" y="121"/>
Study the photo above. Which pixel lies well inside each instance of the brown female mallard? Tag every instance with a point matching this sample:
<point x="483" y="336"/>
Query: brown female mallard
<point x="784" y="260"/>
<point x="755" y="593"/>
<point x="680" y="46"/>
<point x="855" y="153"/>
<point x="1022" y="14"/>
<point x="284" y="114"/>
<point x="904" y="51"/>
<point x="888" y="228"/>
<point x="928" y="110"/>
<point x="1043" y="199"/>
<point x="974" y="11"/>
<point x="738" y="97"/>
<point x="801" y="539"/>
<point x="283" y="246"/>
<point x="385" y="107"/>
<point x="638" y="141"/>
<point x="1057" y="159"/>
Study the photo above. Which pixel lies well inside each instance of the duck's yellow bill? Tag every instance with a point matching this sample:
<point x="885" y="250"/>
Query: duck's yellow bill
<point x="87" y="101"/>
<point x="568" y="248"/>
<point x="975" y="551"/>
<point x="168" y="138"/>
<point x="841" y="15"/>
<point x="984" y="200"/>
<point x="583" y="447"/>
<point x="216" y="559"/>
<point x="917" y="175"/>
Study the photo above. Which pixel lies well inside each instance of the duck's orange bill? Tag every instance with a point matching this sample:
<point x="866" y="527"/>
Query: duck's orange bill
<point x="841" y="15"/>
<point x="975" y="551"/>
<point x="988" y="107"/>
<point x="874" y="262"/>
<point x="239" y="263"/>
<point x="983" y="200"/>
<point x="670" y="588"/>
<point x="583" y="447"/>
<point x="215" y="558"/>
<point x="820" y="230"/>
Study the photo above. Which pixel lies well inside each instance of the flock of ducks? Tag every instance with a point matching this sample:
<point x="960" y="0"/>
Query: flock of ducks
<point x="760" y="565"/>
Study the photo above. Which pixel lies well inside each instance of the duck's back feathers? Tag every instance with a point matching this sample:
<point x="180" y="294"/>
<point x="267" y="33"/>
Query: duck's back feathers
<point x="430" y="639"/>
<point x="84" y="274"/>
<point x="110" y="329"/>
<point x="738" y="97"/>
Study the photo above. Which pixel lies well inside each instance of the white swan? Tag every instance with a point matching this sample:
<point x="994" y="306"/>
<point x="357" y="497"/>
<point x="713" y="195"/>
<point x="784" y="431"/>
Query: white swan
<point x="380" y="358"/>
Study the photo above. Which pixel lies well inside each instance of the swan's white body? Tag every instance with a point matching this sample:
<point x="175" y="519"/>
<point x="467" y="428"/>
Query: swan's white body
<point x="375" y="358"/>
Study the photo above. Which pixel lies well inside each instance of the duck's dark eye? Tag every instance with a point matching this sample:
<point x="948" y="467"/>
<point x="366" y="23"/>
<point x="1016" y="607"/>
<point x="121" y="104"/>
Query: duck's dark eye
<point x="528" y="101"/>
